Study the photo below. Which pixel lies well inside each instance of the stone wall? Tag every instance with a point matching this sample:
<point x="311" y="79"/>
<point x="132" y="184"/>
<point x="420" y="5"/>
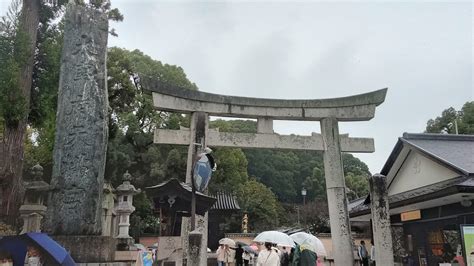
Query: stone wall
<point x="91" y="249"/>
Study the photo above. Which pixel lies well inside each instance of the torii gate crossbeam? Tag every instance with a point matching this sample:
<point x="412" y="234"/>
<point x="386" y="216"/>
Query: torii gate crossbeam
<point x="328" y="111"/>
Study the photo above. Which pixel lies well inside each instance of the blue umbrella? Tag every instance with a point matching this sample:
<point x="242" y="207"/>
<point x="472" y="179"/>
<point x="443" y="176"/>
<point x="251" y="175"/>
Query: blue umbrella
<point x="57" y="252"/>
<point x="16" y="247"/>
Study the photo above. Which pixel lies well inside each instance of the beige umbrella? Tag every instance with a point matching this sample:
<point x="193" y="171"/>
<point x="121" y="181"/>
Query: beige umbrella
<point x="227" y="241"/>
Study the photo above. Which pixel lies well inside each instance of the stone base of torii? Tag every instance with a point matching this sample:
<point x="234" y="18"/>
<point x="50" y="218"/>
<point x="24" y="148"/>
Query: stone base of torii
<point x="328" y="111"/>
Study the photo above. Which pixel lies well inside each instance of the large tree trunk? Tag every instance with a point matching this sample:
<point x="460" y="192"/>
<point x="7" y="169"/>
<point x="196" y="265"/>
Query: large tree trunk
<point x="11" y="148"/>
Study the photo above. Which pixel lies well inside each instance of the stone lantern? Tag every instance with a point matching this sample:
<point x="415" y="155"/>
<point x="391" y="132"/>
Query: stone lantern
<point x="33" y="210"/>
<point x="125" y="193"/>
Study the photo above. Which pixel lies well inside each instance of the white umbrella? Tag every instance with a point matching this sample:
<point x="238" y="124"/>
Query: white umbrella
<point x="275" y="237"/>
<point x="310" y="242"/>
<point x="227" y="241"/>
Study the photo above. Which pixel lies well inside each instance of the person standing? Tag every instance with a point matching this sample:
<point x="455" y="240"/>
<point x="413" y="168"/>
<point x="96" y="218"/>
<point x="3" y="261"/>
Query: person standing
<point x="221" y="255"/>
<point x="246" y="257"/>
<point x="302" y="256"/>
<point x="268" y="256"/>
<point x="284" y="258"/>
<point x="230" y="256"/>
<point x="363" y="254"/>
<point x="372" y="253"/>
<point x="239" y="251"/>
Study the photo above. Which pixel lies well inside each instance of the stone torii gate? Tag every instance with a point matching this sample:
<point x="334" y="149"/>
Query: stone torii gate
<point x="328" y="111"/>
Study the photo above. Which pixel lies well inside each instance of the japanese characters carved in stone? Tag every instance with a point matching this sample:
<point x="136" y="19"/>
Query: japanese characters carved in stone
<point x="81" y="126"/>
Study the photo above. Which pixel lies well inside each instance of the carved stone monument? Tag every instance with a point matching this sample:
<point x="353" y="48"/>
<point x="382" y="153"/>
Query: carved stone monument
<point x="74" y="216"/>
<point x="81" y="126"/>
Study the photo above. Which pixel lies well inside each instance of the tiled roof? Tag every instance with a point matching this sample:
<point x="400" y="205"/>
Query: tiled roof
<point x="440" y="189"/>
<point x="225" y="201"/>
<point x="183" y="191"/>
<point x="182" y="184"/>
<point x="454" y="151"/>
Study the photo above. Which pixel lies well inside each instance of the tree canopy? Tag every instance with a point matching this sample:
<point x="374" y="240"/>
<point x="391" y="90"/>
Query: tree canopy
<point x="267" y="183"/>
<point x="449" y="118"/>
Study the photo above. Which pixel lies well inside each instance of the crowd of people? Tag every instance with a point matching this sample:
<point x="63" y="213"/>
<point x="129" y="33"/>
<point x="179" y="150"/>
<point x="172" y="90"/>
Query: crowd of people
<point x="269" y="255"/>
<point x="272" y="255"/>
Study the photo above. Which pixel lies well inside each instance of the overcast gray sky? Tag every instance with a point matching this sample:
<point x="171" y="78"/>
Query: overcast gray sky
<point x="421" y="51"/>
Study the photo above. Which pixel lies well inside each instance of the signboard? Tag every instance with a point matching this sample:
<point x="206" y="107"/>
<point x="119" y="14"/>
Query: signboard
<point x="467" y="234"/>
<point x="409" y="216"/>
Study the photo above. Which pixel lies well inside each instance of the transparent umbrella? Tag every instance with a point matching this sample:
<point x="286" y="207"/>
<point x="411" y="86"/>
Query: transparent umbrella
<point x="275" y="237"/>
<point x="310" y="242"/>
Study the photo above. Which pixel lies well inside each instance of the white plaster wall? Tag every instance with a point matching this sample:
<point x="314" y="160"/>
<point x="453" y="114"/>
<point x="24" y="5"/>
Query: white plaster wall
<point x="419" y="171"/>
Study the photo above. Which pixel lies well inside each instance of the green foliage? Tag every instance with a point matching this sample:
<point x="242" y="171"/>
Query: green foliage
<point x="115" y="15"/>
<point x="287" y="172"/>
<point x="358" y="185"/>
<point x="353" y="165"/>
<point x="356" y="176"/>
<point x="231" y="170"/>
<point x="466" y="125"/>
<point x="144" y="65"/>
<point x="13" y="54"/>
<point x="46" y="76"/>
<point x="261" y="205"/>
<point x="9" y="21"/>
<point x="316" y="184"/>
<point x="443" y="123"/>
<point x="121" y="89"/>
<point x="133" y="120"/>
<point x="173" y="167"/>
<point x="143" y="219"/>
<point x="277" y="170"/>
<point x="240" y="126"/>
<point x="280" y="174"/>
<point x="446" y="122"/>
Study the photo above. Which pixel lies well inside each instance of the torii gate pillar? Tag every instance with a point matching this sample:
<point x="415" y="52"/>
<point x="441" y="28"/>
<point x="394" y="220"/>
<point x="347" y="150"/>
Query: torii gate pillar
<point x="328" y="111"/>
<point x="336" y="193"/>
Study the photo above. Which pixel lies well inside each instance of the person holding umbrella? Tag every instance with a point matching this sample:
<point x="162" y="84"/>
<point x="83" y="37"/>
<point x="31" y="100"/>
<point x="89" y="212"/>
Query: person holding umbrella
<point x="221" y="255"/>
<point x="284" y="258"/>
<point x="268" y="256"/>
<point x="303" y="256"/>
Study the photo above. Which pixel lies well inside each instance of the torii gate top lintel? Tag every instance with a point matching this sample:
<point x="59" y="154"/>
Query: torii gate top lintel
<point x="352" y="108"/>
